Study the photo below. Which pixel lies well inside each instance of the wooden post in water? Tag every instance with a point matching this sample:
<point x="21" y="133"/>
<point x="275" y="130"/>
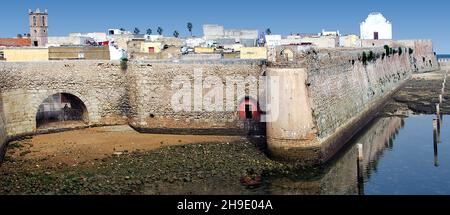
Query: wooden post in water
<point x="445" y="77"/>
<point x="435" y="142"/>
<point x="440" y="117"/>
<point x="438" y="123"/>
<point x="360" y="168"/>
<point x="443" y="88"/>
<point x="360" y="152"/>
<point x="438" y="110"/>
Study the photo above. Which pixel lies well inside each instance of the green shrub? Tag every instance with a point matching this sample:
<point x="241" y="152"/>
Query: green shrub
<point x="364" y="58"/>
<point x="387" y="49"/>
<point x="124" y="63"/>
<point x="371" y="56"/>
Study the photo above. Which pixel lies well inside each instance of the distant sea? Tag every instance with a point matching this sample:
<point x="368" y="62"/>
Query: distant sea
<point x="443" y="56"/>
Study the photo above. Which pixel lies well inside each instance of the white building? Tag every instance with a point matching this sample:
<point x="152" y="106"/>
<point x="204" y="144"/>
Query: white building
<point x="114" y="31"/>
<point x="97" y="36"/>
<point x="321" y="41"/>
<point x="77" y="39"/>
<point x="70" y="40"/>
<point x="330" y="33"/>
<point x="311" y="40"/>
<point x="152" y="37"/>
<point x="213" y="32"/>
<point x="376" y="27"/>
<point x="350" y="41"/>
<point x="273" y="40"/>
<point x="115" y="53"/>
<point x="194" y="42"/>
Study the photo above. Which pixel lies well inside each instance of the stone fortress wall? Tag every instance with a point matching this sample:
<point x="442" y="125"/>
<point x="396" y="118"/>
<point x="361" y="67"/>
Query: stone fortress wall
<point x="101" y="86"/>
<point x="325" y="95"/>
<point x="152" y="92"/>
<point x="139" y="96"/>
<point x="342" y="91"/>
<point x="3" y="134"/>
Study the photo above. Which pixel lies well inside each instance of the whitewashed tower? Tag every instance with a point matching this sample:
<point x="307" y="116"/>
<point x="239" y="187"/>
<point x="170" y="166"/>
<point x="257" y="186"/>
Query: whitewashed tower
<point x="376" y="27"/>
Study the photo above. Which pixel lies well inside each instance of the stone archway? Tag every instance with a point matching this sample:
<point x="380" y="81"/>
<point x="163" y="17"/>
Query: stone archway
<point x="61" y="110"/>
<point x="250" y="114"/>
<point x="287" y="54"/>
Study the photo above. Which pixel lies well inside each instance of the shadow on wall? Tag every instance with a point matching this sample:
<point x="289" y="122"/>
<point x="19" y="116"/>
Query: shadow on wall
<point x="61" y="110"/>
<point x="58" y="112"/>
<point x="250" y="112"/>
<point x="3" y="135"/>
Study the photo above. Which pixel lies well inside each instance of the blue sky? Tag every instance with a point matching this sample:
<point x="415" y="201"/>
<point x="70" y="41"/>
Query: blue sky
<point x="411" y="19"/>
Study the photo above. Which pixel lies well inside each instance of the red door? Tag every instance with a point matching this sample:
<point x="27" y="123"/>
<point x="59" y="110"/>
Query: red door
<point x="151" y="50"/>
<point x="248" y="110"/>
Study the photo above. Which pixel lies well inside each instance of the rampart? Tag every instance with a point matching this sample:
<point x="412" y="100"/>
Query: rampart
<point x="326" y="96"/>
<point x="152" y="87"/>
<point x="329" y="95"/>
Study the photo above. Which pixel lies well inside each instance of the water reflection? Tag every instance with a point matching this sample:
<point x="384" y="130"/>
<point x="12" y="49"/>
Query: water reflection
<point x="397" y="160"/>
<point x="345" y="175"/>
<point x="418" y="163"/>
<point x="379" y="137"/>
<point x="338" y="178"/>
<point x="399" y="156"/>
<point x="436" y="140"/>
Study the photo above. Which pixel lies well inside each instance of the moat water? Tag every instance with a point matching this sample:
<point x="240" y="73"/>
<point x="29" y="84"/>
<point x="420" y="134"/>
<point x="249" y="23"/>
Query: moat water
<point x="400" y="157"/>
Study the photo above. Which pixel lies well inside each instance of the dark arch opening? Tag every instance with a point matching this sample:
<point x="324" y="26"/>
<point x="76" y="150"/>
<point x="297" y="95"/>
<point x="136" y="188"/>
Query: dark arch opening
<point x="250" y="114"/>
<point x="61" y="110"/>
<point x="287" y="54"/>
<point x="249" y="109"/>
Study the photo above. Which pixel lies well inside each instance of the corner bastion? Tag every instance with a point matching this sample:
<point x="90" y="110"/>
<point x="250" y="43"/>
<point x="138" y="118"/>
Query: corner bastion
<point x="329" y="95"/>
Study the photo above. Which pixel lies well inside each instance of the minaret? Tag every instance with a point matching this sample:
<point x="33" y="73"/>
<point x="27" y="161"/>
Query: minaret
<point x="38" y="28"/>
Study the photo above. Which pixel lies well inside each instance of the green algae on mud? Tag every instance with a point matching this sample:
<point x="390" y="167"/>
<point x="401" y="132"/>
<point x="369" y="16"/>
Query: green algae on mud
<point x="209" y="168"/>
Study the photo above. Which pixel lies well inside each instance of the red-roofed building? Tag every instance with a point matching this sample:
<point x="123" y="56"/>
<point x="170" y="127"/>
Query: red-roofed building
<point x="15" y="42"/>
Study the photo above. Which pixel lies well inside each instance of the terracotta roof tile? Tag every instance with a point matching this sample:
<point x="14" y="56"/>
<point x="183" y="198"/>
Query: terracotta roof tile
<point x="15" y="42"/>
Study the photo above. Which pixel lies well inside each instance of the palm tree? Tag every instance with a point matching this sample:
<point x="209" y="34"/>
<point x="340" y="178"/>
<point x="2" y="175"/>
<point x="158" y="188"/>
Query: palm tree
<point x="149" y="31"/>
<point x="136" y="31"/>
<point x="176" y="34"/>
<point x="189" y="27"/>
<point x="160" y="31"/>
<point x="268" y="31"/>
